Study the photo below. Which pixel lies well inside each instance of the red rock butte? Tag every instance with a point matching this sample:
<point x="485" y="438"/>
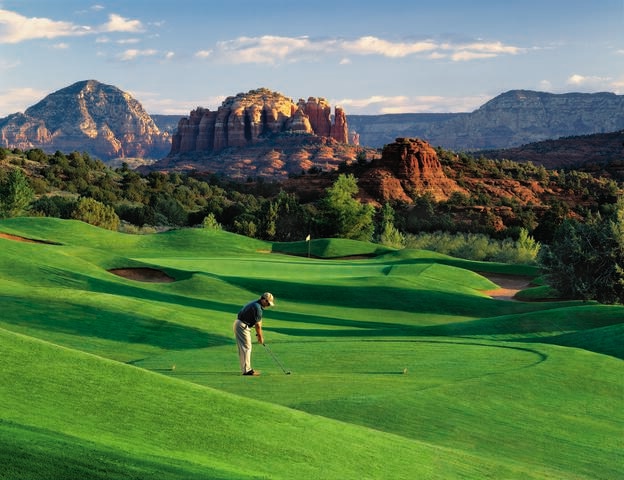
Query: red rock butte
<point x="247" y="118"/>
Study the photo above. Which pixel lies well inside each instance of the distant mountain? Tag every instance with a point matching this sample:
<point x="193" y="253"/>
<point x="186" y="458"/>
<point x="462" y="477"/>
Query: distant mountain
<point x="108" y="123"/>
<point x="166" y="123"/>
<point x="509" y="120"/>
<point x="87" y="116"/>
<point x="378" y="130"/>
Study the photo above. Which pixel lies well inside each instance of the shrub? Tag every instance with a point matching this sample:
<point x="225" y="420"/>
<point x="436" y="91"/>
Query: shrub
<point x="95" y="213"/>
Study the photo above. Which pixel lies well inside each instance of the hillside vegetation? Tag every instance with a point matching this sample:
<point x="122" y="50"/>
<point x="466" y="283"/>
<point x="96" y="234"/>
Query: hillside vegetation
<point x="403" y="364"/>
<point x="502" y="198"/>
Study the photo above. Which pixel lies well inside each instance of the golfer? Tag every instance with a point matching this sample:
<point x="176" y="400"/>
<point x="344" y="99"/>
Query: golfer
<point x="250" y="316"/>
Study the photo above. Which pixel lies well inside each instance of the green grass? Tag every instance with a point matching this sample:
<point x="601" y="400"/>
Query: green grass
<point x="105" y="377"/>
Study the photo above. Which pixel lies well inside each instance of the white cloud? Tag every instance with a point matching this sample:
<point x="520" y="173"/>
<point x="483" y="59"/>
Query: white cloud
<point x="168" y="106"/>
<point x="18" y="99"/>
<point x="128" y="41"/>
<point x="133" y="54"/>
<point x="15" y="28"/>
<point x="478" y="50"/>
<point x="203" y="53"/>
<point x="117" y="23"/>
<point x="61" y="46"/>
<point x="4" y="65"/>
<point x="590" y="82"/>
<point x="377" y="46"/>
<point x="381" y="104"/>
<point x="265" y="49"/>
<point x="271" y="49"/>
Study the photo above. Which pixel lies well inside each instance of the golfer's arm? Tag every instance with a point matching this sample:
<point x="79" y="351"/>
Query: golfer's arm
<point x="258" y="327"/>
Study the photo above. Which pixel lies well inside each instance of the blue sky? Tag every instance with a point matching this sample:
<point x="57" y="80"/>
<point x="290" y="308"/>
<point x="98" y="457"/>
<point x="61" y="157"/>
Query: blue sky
<point x="369" y="57"/>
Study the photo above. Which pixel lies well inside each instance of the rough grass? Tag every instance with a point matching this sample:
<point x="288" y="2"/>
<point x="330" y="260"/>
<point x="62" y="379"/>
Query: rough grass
<point x="402" y="366"/>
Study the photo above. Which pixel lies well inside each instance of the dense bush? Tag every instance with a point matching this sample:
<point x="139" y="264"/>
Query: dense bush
<point x="474" y="246"/>
<point x="95" y="213"/>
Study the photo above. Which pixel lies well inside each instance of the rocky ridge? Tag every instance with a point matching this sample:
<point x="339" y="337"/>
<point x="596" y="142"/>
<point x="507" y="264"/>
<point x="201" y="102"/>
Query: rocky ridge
<point x="572" y="152"/>
<point x="276" y="158"/>
<point x="514" y="118"/>
<point x="87" y="116"/>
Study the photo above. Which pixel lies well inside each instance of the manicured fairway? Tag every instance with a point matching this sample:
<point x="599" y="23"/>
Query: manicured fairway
<point x="401" y="366"/>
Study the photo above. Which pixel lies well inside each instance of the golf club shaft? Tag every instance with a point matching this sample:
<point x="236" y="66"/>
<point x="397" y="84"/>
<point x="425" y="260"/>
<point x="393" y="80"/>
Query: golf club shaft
<point x="275" y="358"/>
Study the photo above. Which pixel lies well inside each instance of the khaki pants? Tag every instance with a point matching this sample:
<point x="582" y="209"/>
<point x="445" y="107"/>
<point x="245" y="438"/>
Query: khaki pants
<point x="243" y="341"/>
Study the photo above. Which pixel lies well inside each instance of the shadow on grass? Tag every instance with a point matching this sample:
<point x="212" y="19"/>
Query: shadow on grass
<point x="31" y="452"/>
<point x="122" y="287"/>
<point x="76" y="319"/>
<point x="531" y="325"/>
<point x="381" y="297"/>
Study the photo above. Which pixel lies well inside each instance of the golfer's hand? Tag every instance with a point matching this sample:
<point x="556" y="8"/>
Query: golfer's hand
<point x="260" y="339"/>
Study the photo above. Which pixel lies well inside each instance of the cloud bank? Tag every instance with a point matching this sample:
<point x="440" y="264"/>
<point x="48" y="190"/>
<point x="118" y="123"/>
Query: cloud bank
<point x="271" y="49"/>
<point x="16" y="28"/>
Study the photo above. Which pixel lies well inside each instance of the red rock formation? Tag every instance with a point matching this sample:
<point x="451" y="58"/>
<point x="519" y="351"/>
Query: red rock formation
<point x="339" y="129"/>
<point x="299" y="122"/>
<point x="206" y="131"/>
<point x="247" y="119"/>
<point x="407" y="167"/>
<point x="319" y="113"/>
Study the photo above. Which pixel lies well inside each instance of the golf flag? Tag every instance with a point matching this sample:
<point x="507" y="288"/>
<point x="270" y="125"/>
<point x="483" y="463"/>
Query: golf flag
<point x="308" y="238"/>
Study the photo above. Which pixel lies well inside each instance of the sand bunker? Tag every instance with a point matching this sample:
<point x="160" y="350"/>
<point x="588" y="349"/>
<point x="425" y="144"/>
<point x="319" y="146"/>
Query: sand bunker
<point x="143" y="274"/>
<point x="510" y="285"/>
<point x="17" y="238"/>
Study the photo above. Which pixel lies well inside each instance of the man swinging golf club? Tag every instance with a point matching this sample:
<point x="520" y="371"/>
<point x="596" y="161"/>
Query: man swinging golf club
<point x="250" y="316"/>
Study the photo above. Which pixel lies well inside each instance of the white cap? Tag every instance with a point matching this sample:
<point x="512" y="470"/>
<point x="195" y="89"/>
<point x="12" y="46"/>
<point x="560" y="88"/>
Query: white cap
<point x="269" y="298"/>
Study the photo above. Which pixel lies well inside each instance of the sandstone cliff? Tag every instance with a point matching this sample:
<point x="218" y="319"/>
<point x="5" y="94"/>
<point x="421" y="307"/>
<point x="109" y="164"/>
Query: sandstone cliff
<point x="90" y="117"/>
<point x="249" y="118"/>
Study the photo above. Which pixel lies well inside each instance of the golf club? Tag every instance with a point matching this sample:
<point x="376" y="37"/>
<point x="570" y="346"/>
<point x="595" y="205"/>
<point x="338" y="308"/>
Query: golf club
<point x="287" y="372"/>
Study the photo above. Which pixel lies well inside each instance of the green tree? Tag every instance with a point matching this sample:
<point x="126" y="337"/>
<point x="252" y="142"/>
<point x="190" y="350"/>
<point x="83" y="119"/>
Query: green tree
<point x="586" y="260"/>
<point x="210" y="222"/>
<point x="54" y="206"/>
<point x="343" y="215"/>
<point x="15" y="194"/>
<point x="284" y="219"/>
<point x="389" y="235"/>
<point x="95" y="213"/>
